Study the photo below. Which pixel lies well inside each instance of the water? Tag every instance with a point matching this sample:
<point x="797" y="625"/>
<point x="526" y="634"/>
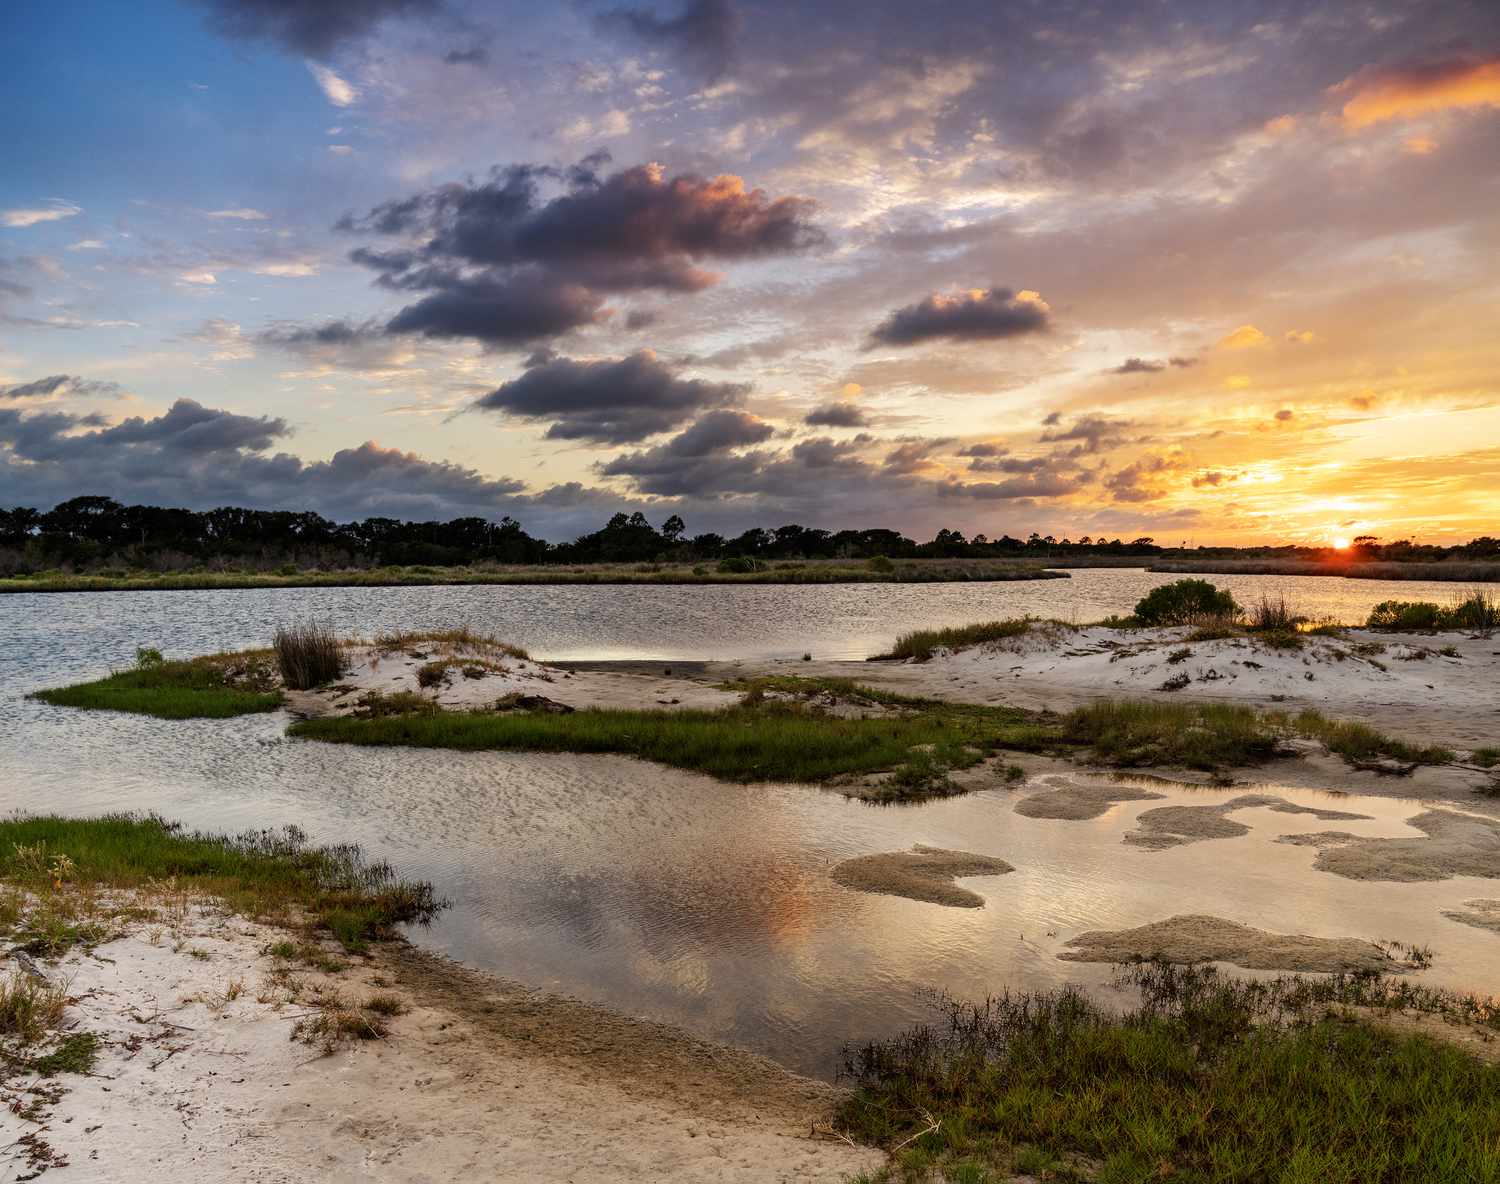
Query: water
<point x="91" y="630"/>
<point x="664" y="893"/>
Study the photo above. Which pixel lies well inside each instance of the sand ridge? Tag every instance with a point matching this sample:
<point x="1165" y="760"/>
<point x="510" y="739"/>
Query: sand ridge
<point x="1172" y="826"/>
<point x="1198" y="938"/>
<point x="1453" y="844"/>
<point x="923" y="873"/>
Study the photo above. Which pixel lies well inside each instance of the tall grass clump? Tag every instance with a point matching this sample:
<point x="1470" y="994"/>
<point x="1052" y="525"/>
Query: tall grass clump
<point x="308" y="655"/>
<point x="1208" y="1079"/>
<point x="1193" y="735"/>
<point x="1270" y="615"/>
<point x="1186" y="602"/>
<point x="921" y="644"/>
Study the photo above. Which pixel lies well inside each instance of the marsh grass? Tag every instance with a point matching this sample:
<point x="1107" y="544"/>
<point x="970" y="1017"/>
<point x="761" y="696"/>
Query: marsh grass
<point x="308" y="655"/>
<point x="1206" y="1079"/>
<point x="921" y="644"/>
<point x="759" y="739"/>
<point x="461" y="639"/>
<point x="1357" y="742"/>
<point x="271" y="874"/>
<point x="214" y="687"/>
<point x="1479" y="610"/>
<point x="1192" y="735"/>
<point x="1273" y="615"/>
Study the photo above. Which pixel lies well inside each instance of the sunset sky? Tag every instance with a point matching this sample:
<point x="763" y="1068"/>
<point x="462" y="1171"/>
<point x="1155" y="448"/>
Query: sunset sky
<point x="1217" y="272"/>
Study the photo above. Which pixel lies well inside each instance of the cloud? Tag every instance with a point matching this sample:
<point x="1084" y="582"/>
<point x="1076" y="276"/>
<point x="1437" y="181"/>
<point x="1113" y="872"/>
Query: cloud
<point x="1036" y="485"/>
<point x="59" y="384"/>
<point x="53" y="211"/>
<point x="1284" y="415"/>
<point x="836" y="415"/>
<point x="703" y="33"/>
<point x="505" y="266"/>
<point x="313" y="27"/>
<point x="1245" y="337"/>
<point x="1300" y="336"/>
<point x="228" y="343"/>
<point x="1137" y="366"/>
<point x="474" y="56"/>
<point x="982" y="314"/>
<point x="1095" y="433"/>
<point x="1140" y="481"/>
<point x="240" y="214"/>
<point x="201" y="457"/>
<point x="334" y="88"/>
<point x="612" y="401"/>
<point x="87" y="244"/>
<point x="696" y="460"/>
<point x="1376" y="94"/>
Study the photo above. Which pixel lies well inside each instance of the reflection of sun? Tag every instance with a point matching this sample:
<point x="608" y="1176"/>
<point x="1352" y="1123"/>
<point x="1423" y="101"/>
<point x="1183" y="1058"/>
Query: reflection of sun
<point x="1340" y="544"/>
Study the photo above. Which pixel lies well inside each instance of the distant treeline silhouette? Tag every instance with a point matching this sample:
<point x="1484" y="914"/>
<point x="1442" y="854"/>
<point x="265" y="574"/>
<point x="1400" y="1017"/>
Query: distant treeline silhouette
<point x="88" y="533"/>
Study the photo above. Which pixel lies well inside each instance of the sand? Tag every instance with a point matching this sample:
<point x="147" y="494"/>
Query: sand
<point x="479" y="1080"/>
<point x="1401" y="683"/>
<point x="1454" y="845"/>
<point x="1077" y="801"/>
<point x="496" y="676"/>
<point x="1197" y="938"/>
<point x="923" y="873"/>
<point x="1172" y="826"/>
<point x="1482" y="914"/>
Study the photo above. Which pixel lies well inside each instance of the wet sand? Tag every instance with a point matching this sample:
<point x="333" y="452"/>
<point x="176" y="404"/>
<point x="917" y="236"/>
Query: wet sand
<point x="1196" y="938"/>
<point x="923" y="873"/>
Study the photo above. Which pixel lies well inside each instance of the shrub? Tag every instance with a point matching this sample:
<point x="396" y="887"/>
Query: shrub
<point x="1406" y="614"/>
<point x="147" y="658"/>
<point x="741" y="565"/>
<point x="880" y="563"/>
<point x="1184" y="602"/>
<point x="308" y="656"/>
<point x="1479" y="611"/>
<point x="430" y="674"/>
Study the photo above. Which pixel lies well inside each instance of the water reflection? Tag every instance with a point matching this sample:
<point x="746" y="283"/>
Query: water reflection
<point x="667" y="894"/>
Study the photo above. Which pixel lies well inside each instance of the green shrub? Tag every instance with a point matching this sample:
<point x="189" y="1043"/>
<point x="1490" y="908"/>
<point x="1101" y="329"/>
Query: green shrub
<point x="741" y="565"/>
<point x="1184" y="602"/>
<point x="1406" y="614"/>
<point x="880" y="563"/>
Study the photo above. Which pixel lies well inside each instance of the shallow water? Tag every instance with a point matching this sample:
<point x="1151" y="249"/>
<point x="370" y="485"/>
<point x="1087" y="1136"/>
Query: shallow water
<point x="664" y="893"/>
<point x="90" y="630"/>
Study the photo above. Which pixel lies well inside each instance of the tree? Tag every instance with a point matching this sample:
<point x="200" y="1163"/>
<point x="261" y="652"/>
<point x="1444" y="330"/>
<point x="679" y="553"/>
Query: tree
<point x="672" y="528"/>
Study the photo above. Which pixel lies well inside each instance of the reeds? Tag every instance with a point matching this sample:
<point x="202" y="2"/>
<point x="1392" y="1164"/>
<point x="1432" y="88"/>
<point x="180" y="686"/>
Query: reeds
<point x="308" y="655"/>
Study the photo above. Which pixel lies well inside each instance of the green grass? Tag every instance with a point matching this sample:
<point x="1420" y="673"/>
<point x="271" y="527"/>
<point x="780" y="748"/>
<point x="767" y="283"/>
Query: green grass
<point x="269" y="873"/>
<point x="758" y="740"/>
<point x="1223" y="735"/>
<point x="76" y="1053"/>
<point x="214" y="687"/>
<point x="1486" y="757"/>
<point x="1208" y="1080"/>
<point x="923" y="643"/>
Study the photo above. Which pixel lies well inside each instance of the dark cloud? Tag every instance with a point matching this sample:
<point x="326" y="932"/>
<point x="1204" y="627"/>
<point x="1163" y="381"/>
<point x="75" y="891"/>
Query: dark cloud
<point x="1094" y="432"/>
<point x="1139" y="480"/>
<point x="293" y="336"/>
<point x="613" y="401"/>
<point x="980" y="315"/>
<point x="911" y="456"/>
<point x="1138" y="366"/>
<point x="1034" y="485"/>
<point x="59" y="383"/>
<point x="983" y="449"/>
<point x="475" y="56"/>
<point x="718" y="431"/>
<point x="697" y="460"/>
<point x="1283" y="415"/>
<point x="641" y="318"/>
<point x="505" y="265"/>
<point x="312" y="27"/>
<point x="703" y="33"/>
<point x="836" y="415"/>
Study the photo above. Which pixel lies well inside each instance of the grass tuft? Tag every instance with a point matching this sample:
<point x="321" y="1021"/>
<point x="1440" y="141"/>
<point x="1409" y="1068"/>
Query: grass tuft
<point x="309" y="656"/>
<point x="1207" y="1079"/>
<point x="923" y="643"/>
<point x="274" y="874"/>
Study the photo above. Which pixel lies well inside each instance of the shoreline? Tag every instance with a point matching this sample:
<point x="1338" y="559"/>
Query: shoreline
<point x="200" y="1074"/>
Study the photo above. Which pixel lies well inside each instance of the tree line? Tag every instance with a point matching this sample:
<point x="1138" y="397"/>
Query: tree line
<point x="87" y="533"/>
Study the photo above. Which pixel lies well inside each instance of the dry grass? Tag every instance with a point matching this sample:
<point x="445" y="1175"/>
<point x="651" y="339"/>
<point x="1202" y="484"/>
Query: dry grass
<point x="309" y="655"/>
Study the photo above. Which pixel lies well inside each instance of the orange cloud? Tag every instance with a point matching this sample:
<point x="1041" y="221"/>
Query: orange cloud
<point x="1243" y="338"/>
<point x="1420" y="145"/>
<point x="1375" y="96"/>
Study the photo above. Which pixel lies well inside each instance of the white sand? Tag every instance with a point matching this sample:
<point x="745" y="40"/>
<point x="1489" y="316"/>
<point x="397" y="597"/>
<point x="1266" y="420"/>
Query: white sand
<point x="372" y="669"/>
<point x="192" y="1086"/>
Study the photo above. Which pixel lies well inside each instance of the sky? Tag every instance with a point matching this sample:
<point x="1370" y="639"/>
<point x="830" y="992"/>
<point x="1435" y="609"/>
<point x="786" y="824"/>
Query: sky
<point x="1216" y="272"/>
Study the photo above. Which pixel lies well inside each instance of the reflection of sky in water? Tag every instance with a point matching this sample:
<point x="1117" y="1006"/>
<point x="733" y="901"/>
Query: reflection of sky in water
<point x="708" y="905"/>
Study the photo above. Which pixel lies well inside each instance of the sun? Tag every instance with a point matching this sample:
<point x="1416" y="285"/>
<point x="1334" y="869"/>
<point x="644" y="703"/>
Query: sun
<point x="1340" y="543"/>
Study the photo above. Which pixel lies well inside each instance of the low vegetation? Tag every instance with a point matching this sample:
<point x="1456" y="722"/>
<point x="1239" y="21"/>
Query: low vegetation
<point x="308" y="656"/>
<point x="271" y="874"/>
<point x="1189" y="735"/>
<point x="922" y="644"/>
<point x="1479" y="610"/>
<point x="779" y="732"/>
<point x="213" y="687"/>
<point x="1186" y="602"/>
<point x="1207" y="1078"/>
